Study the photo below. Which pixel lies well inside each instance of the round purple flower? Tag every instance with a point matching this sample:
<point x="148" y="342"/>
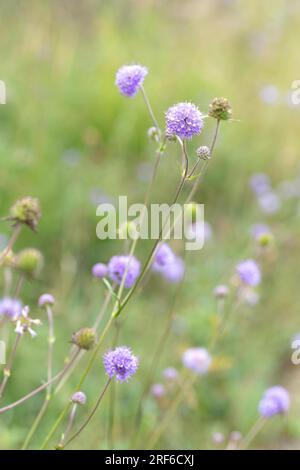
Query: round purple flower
<point x="184" y="120"/>
<point x="99" y="270"/>
<point x="117" y="267"/>
<point x="120" y="363"/>
<point x="170" y="373"/>
<point x="249" y="272"/>
<point x="46" y="299"/>
<point x="163" y="256"/>
<point x="79" y="398"/>
<point x="275" y="401"/>
<point x="221" y="291"/>
<point x="197" y="359"/>
<point x="260" y="183"/>
<point x="174" y="271"/>
<point x="11" y="308"/>
<point x="259" y="229"/>
<point x="269" y="202"/>
<point x="158" y="390"/>
<point x="129" y="78"/>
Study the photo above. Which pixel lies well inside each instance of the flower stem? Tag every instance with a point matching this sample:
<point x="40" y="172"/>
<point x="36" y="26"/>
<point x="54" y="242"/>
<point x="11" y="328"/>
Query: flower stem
<point x="15" y="233"/>
<point x="256" y="428"/>
<point x="38" y="389"/>
<point x="90" y="415"/>
<point x="149" y="107"/>
<point x="69" y="425"/>
<point x="7" y="369"/>
<point x="42" y="411"/>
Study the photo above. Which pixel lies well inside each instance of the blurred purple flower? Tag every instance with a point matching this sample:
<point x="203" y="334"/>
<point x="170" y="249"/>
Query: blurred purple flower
<point x="174" y="271"/>
<point x="129" y="78"/>
<point x="117" y="267"/>
<point x="163" y="256"/>
<point x="46" y="299"/>
<point x="197" y="359"/>
<point x="79" y="398"/>
<point x="259" y="229"/>
<point x="275" y="401"/>
<point x="249" y="272"/>
<point x="184" y="120"/>
<point x="195" y="231"/>
<point x="158" y="390"/>
<point x="269" y="203"/>
<point x="120" y="363"/>
<point x="260" y="183"/>
<point x="11" y="308"/>
<point x="170" y="373"/>
<point x="99" y="270"/>
<point x="269" y="94"/>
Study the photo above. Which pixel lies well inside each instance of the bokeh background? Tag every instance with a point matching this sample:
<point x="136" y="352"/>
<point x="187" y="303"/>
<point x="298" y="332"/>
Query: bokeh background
<point x="69" y="138"/>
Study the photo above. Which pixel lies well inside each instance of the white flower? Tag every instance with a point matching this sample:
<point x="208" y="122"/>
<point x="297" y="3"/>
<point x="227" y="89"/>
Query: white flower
<point x="24" y="322"/>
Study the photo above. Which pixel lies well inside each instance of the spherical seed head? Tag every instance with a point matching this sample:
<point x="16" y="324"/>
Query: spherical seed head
<point x="46" y="299"/>
<point x="197" y="359"/>
<point x="203" y="152"/>
<point x="184" y="120"/>
<point x="221" y="291"/>
<point x="117" y="267"/>
<point x="29" y="261"/>
<point x="275" y="401"/>
<point x="26" y="211"/>
<point x="85" y="338"/>
<point x="129" y="78"/>
<point x="79" y="398"/>
<point x="249" y="272"/>
<point x="220" y="109"/>
<point x="120" y="363"/>
<point x="99" y="270"/>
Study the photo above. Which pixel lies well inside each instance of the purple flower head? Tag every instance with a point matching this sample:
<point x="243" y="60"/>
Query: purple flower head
<point x="275" y="401"/>
<point x="184" y="120"/>
<point x="163" y="256"/>
<point x="11" y="308"/>
<point x="174" y="271"/>
<point x="117" y="267"/>
<point x="249" y="272"/>
<point x="99" y="270"/>
<point x="201" y="230"/>
<point x="260" y="183"/>
<point x="197" y="359"/>
<point x="170" y="373"/>
<point x="46" y="299"/>
<point x="129" y="78"/>
<point x="257" y="230"/>
<point x="79" y="398"/>
<point x="120" y="363"/>
<point x="221" y="291"/>
<point x="158" y="390"/>
<point x="269" y="202"/>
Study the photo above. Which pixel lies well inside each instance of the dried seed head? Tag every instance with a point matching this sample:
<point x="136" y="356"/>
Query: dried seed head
<point x="85" y="338"/>
<point x="29" y="261"/>
<point x="203" y="152"/>
<point x="220" y="109"/>
<point x="26" y="211"/>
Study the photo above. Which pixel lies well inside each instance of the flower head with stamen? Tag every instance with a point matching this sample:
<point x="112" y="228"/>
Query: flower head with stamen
<point x="24" y="323"/>
<point x="120" y="363"/>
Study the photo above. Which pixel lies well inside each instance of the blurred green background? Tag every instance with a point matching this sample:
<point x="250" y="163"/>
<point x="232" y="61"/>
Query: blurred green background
<point x="69" y="138"/>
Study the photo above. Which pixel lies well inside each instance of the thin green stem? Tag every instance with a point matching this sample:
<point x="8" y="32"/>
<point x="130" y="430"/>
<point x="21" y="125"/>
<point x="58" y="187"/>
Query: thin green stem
<point x="149" y="107"/>
<point x="256" y="428"/>
<point x="7" y="369"/>
<point x="15" y="233"/>
<point x="90" y="415"/>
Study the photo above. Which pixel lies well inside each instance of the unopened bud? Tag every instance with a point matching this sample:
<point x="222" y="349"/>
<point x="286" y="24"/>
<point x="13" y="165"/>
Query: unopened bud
<point x="220" y="109"/>
<point x="85" y="338"/>
<point x="26" y="211"/>
<point x="29" y="261"/>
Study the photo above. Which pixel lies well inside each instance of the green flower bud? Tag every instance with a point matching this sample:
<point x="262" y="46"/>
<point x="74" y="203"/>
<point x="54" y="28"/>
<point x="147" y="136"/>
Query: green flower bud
<point x="220" y="109"/>
<point x="265" y="239"/>
<point x="30" y="261"/>
<point x="85" y="338"/>
<point x="26" y="211"/>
